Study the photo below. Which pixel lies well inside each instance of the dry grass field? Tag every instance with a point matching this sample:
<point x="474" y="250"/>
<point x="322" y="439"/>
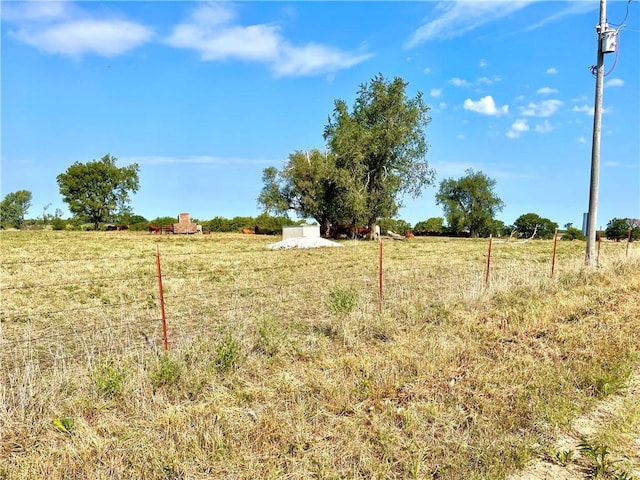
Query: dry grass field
<point x="282" y="365"/>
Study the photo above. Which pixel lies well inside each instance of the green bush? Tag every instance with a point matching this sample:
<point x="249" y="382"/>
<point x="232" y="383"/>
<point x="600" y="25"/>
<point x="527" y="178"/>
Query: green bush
<point x="572" y="233"/>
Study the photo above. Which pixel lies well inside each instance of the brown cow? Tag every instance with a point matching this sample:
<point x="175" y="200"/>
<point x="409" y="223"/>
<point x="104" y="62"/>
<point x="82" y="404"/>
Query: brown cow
<point x="155" y="229"/>
<point x="248" y="231"/>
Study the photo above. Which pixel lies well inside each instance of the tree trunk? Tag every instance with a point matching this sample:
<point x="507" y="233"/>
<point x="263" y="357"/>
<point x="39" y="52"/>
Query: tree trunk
<point x="372" y="233"/>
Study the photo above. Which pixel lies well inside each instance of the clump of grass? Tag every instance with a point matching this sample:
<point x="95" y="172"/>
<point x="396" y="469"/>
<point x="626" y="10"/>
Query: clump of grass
<point x="342" y="300"/>
<point x="272" y="336"/>
<point x="598" y="456"/>
<point x="109" y="378"/>
<point x="166" y="372"/>
<point x="228" y="353"/>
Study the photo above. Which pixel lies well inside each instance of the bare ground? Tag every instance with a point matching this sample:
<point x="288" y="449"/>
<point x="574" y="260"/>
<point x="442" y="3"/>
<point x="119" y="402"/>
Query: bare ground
<point x="589" y="425"/>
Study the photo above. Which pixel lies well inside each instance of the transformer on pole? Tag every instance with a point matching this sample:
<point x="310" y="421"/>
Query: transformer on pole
<point x="607" y="43"/>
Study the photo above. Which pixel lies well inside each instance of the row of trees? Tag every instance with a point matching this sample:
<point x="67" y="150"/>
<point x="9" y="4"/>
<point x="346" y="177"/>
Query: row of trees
<point x="375" y="154"/>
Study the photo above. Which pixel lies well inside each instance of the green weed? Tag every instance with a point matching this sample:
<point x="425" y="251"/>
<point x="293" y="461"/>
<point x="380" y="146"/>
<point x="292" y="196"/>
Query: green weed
<point x="228" y="353"/>
<point x="166" y="372"/>
<point x="109" y="378"/>
<point x="342" y="300"/>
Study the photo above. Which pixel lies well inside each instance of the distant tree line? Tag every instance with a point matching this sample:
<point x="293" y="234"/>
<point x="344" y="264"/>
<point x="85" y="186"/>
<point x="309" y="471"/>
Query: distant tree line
<point x="375" y="153"/>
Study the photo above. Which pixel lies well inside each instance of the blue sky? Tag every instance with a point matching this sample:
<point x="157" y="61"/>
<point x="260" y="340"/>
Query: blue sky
<point x="204" y="96"/>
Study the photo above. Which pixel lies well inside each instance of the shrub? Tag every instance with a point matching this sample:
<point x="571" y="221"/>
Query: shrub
<point x="573" y="233"/>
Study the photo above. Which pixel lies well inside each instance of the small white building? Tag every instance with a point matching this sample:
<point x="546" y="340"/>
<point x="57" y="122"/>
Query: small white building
<point x="301" y="231"/>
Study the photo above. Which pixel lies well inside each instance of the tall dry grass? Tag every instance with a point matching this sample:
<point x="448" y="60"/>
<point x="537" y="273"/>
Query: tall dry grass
<point x="281" y="366"/>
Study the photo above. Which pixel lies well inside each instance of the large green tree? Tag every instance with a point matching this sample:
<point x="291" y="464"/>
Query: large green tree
<point x="379" y="147"/>
<point x="469" y="203"/>
<point x="307" y="185"/>
<point x="98" y="190"/>
<point x="618" y="229"/>
<point x="531" y="223"/>
<point x="14" y="207"/>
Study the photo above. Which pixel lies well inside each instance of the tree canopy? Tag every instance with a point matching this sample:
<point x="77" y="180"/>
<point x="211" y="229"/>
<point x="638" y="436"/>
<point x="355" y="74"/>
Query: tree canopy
<point x="469" y="203"/>
<point x="529" y="223"/>
<point x="618" y="229"/>
<point x="375" y="153"/>
<point x="98" y="190"/>
<point x="380" y="148"/>
<point x="14" y="207"/>
<point x="308" y="185"/>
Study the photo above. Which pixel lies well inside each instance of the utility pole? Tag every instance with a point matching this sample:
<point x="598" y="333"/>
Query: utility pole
<point x="603" y="32"/>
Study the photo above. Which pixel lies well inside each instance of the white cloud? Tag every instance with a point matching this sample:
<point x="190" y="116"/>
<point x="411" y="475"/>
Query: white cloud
<point x="485" y="106"/>
<point x="544" y="127"/>
<point x="427" y="70"/>
<point x="552" y="71"/>
<point x="436" y="92"/>
<point x="546" y="91"/>
<point x="483" y="63"/>
<point x="460" y="136"/>
<point x="588" y="110"/>
<point x="583" y="109"/>
<point x="457" y="18"/>
<point x="313" y="59"/>
<point x="572" y="8"/>
<point x="581" y="140"/>
<point x="485" y="80"/>
<point x="614" y="82"/>
<point x="545" y="108"/>
<point x="519" y="126"/>
<point x="62" y="28"/>
<point x="458" y="82"/>
<point x="211" y="31"/>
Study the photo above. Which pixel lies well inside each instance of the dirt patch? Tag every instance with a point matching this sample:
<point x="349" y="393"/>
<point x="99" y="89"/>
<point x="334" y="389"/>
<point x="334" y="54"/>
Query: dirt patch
<point x="587" y="426"/>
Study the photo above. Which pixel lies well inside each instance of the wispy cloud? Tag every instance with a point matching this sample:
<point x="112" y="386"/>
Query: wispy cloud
<point x="485" y="106"/>
<point x="614" y="82"/>
<point x="63" y="28"/>
<point x="459" y="82"/>
<point x="436" y="92"/>
<point x="552" y="71"/>
<point x="544" y="127"/>
<point x="212" y="31"/>
<point x="546" y="91"/>
<point x="519" y="126"/>
<point x="569" y="8"/>
<point x="457" y="18"/>
<point x="589" y="110"/>
<point x="545" y="108"/>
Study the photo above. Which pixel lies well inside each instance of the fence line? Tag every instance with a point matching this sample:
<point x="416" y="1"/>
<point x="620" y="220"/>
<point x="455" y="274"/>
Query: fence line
<point x="396" y="275"/>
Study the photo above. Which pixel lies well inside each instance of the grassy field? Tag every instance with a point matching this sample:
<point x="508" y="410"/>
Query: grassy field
<point x="285" y="364"/>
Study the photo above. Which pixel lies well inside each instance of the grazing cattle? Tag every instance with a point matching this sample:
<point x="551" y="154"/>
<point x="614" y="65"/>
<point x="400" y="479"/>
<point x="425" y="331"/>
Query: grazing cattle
<point x="122" y="227"/>
<point x="408" y="234"/>
<point x="111" y="228"/>
<point x="168" y="228"/>
<point x="248" y="231"/>
<point x="155" y="229"/>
